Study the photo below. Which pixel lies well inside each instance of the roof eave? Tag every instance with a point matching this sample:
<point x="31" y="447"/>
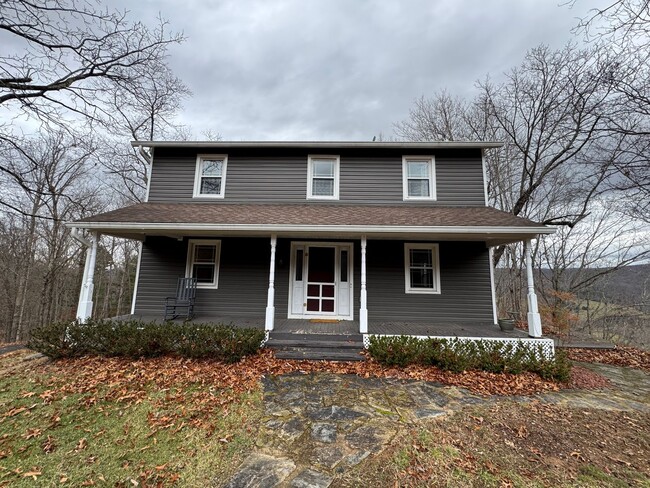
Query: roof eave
<point x="491" y="236"/>
<point x="320" y="144"/>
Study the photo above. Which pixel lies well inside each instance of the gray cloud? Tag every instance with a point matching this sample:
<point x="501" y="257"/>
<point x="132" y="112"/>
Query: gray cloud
<point x="341" y="69"/>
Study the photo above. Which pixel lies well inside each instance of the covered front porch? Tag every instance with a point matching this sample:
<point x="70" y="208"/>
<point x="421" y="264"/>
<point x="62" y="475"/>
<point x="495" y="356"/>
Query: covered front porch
<point x="424" y="271"/>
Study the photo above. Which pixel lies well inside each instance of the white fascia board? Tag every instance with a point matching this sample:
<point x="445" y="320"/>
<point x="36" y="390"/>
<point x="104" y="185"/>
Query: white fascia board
<point x="386" y="229"/>
<point x="318" y="144"/>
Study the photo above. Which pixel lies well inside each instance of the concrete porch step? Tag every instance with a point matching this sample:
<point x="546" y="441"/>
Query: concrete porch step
<point x="323" y="347"/>
<point x="316" y="337"/>
<point x="319" y="354"/>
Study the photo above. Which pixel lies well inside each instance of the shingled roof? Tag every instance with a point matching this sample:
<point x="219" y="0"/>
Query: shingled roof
<point x="430" y="222"/>
<point x="310" y="215"/>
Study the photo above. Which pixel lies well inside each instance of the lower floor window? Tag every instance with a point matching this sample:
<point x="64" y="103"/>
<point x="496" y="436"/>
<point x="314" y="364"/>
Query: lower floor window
<point x="421" y="268"/>
<point x="203" y="262"/>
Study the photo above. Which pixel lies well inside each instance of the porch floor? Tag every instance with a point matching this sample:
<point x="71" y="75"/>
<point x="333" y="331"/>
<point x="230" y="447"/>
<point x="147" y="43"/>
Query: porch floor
<point x="300" y="326"/>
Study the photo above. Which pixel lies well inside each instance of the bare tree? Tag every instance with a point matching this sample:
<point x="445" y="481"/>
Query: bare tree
<point x="67" y="47"/>
<point x="623" y="28"/>
<point x="69" y="57"/>
<point x="143" y="111"/>
<point x="50" y="182"/>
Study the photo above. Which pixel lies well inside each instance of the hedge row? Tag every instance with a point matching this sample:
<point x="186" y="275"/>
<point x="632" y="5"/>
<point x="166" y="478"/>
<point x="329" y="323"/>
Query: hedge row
<point x="456" y="355"/>
<point x="135" y="338"/>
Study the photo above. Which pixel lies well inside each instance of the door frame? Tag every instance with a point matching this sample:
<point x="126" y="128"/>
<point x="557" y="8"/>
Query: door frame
<point x="337" y="272"/>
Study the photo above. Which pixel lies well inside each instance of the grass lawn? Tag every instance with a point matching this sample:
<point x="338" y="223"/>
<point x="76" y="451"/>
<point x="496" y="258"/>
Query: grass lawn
<point x="515" y="445"/>
<point x="120" y="423"/>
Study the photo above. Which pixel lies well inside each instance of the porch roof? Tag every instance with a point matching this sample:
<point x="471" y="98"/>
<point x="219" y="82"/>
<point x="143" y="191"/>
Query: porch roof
<point x="313" y="220"/>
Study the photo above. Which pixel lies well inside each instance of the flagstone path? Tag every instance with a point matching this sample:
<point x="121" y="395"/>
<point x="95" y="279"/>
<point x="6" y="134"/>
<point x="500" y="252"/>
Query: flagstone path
<point x="318" y="425"/>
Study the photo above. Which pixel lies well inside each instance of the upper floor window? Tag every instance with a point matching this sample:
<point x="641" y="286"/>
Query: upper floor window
<point x="323" y="177"/>
<point x="203" y="262"/>
<point x="421" y="268"/>
<point x="210" y="178"/>
<point x="419" y="177"/>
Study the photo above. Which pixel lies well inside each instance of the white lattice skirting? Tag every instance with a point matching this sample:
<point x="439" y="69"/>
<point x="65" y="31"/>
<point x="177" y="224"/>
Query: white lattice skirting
<point x="547" y="346"/>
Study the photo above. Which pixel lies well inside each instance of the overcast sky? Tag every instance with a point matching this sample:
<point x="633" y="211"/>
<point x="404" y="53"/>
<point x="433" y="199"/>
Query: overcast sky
<point x="342" y="69"/>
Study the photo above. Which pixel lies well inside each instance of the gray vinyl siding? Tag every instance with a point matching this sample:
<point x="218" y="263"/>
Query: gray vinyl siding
<point x="464" y="283"/>
<point x="244" y="269"/>
<point x="243" y="277"/>
<point x="364" y="178"/>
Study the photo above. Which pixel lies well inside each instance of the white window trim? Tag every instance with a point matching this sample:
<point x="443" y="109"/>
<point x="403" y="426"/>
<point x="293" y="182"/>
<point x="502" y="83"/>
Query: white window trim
<point x="337" y="165"/>
<point x="432" y="177"/>
<point x="197" y="176"/>
<point x="436" y="268"/>
<point x="190" y="259"/>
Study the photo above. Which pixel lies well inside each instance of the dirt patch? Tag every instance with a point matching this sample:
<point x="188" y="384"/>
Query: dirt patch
<point x="517" y="445"/>
<point x="631" y="357"/>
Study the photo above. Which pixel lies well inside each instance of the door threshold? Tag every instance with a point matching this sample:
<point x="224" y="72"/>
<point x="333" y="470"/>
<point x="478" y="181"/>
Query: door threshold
<point x="324" y="321"/>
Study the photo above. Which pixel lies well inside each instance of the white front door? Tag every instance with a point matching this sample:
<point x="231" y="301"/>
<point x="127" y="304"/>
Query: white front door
<point x="321" y="280"/>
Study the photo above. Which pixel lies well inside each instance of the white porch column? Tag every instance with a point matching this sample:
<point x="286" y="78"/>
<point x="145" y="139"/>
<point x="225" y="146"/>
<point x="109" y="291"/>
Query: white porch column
<point x="363" y="311"/>
<point x="85" y="307"/>
<point x="270" y="308"/>
<point x="534" y="320"/>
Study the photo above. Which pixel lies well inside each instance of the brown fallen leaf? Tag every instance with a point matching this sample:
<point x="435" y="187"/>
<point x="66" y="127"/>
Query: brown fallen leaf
<point x="32" y="474"/>
<point x="82" y="444"/>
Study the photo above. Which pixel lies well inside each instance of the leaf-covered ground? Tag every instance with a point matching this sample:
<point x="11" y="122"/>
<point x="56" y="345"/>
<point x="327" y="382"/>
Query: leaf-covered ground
<point x="630" y="357"/>
<point x="162" y="421"/>
<point x="515" y="445"/>
<point x="119" y="423"/>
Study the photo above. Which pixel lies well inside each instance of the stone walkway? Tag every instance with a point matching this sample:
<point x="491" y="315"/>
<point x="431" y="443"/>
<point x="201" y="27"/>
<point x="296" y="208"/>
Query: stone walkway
<point x="318" y="425"/>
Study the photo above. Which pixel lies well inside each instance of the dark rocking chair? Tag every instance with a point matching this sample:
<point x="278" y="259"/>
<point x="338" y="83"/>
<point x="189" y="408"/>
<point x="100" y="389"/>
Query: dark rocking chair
<point x="183" y="301"/>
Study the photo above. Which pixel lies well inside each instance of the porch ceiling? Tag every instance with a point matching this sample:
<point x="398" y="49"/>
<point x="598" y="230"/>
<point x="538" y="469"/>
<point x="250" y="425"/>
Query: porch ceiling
<point x="315" y="220"/>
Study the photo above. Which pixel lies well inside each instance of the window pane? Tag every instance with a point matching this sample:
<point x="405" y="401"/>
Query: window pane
<point x="328" y="291"/>
<point x="299" y="259"/>
<point x="417" y="169"/>
<point x="418" y="188"/>
<point x="212" y="167"/>
<point x="344" y="266"/>
<point x="421" y="278"/>
<point x="327" y="306"/>
<point x="313" y="290"/>
<point x="313" y="305"/>
<point x="323" y="168"/>
<point x="323" y="188"/>
<point x="421" y="257"/>
<point x="205" y="254"/>
<point x="321" y="265"/>
<point x="204" y="273"/>
<point x="210" y="186"/>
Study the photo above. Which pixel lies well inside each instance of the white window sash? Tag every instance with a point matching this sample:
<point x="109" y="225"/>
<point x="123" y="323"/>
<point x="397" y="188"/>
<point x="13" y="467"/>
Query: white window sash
<point x="431" y="178"/>
<point x="191" y="260"/>
<point x="199" y="176"/>
<point x="311" y="178"/>
<point x="434" y="268"/>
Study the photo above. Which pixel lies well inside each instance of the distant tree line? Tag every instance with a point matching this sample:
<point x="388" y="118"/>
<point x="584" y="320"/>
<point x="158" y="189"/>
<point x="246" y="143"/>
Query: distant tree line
<point x="82" y="80"/>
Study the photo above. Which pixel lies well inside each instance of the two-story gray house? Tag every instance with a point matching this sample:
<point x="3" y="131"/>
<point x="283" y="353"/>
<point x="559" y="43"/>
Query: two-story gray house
<point x="387" y="237"/>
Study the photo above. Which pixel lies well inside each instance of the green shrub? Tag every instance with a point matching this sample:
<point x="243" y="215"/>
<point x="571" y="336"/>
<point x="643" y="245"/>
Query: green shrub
<point x="457" y="356"/>
<point x="136" y="339"/>
<point x="396" y="351"/>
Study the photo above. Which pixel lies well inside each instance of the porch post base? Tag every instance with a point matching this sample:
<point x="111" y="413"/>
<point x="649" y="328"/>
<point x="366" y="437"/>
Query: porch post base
<point x="270" y="317"/>
<point x="363" y="321"/>
<point x="534" y="324"/>
<point x="85" y="310"/>
<point x="534" y="319"/>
